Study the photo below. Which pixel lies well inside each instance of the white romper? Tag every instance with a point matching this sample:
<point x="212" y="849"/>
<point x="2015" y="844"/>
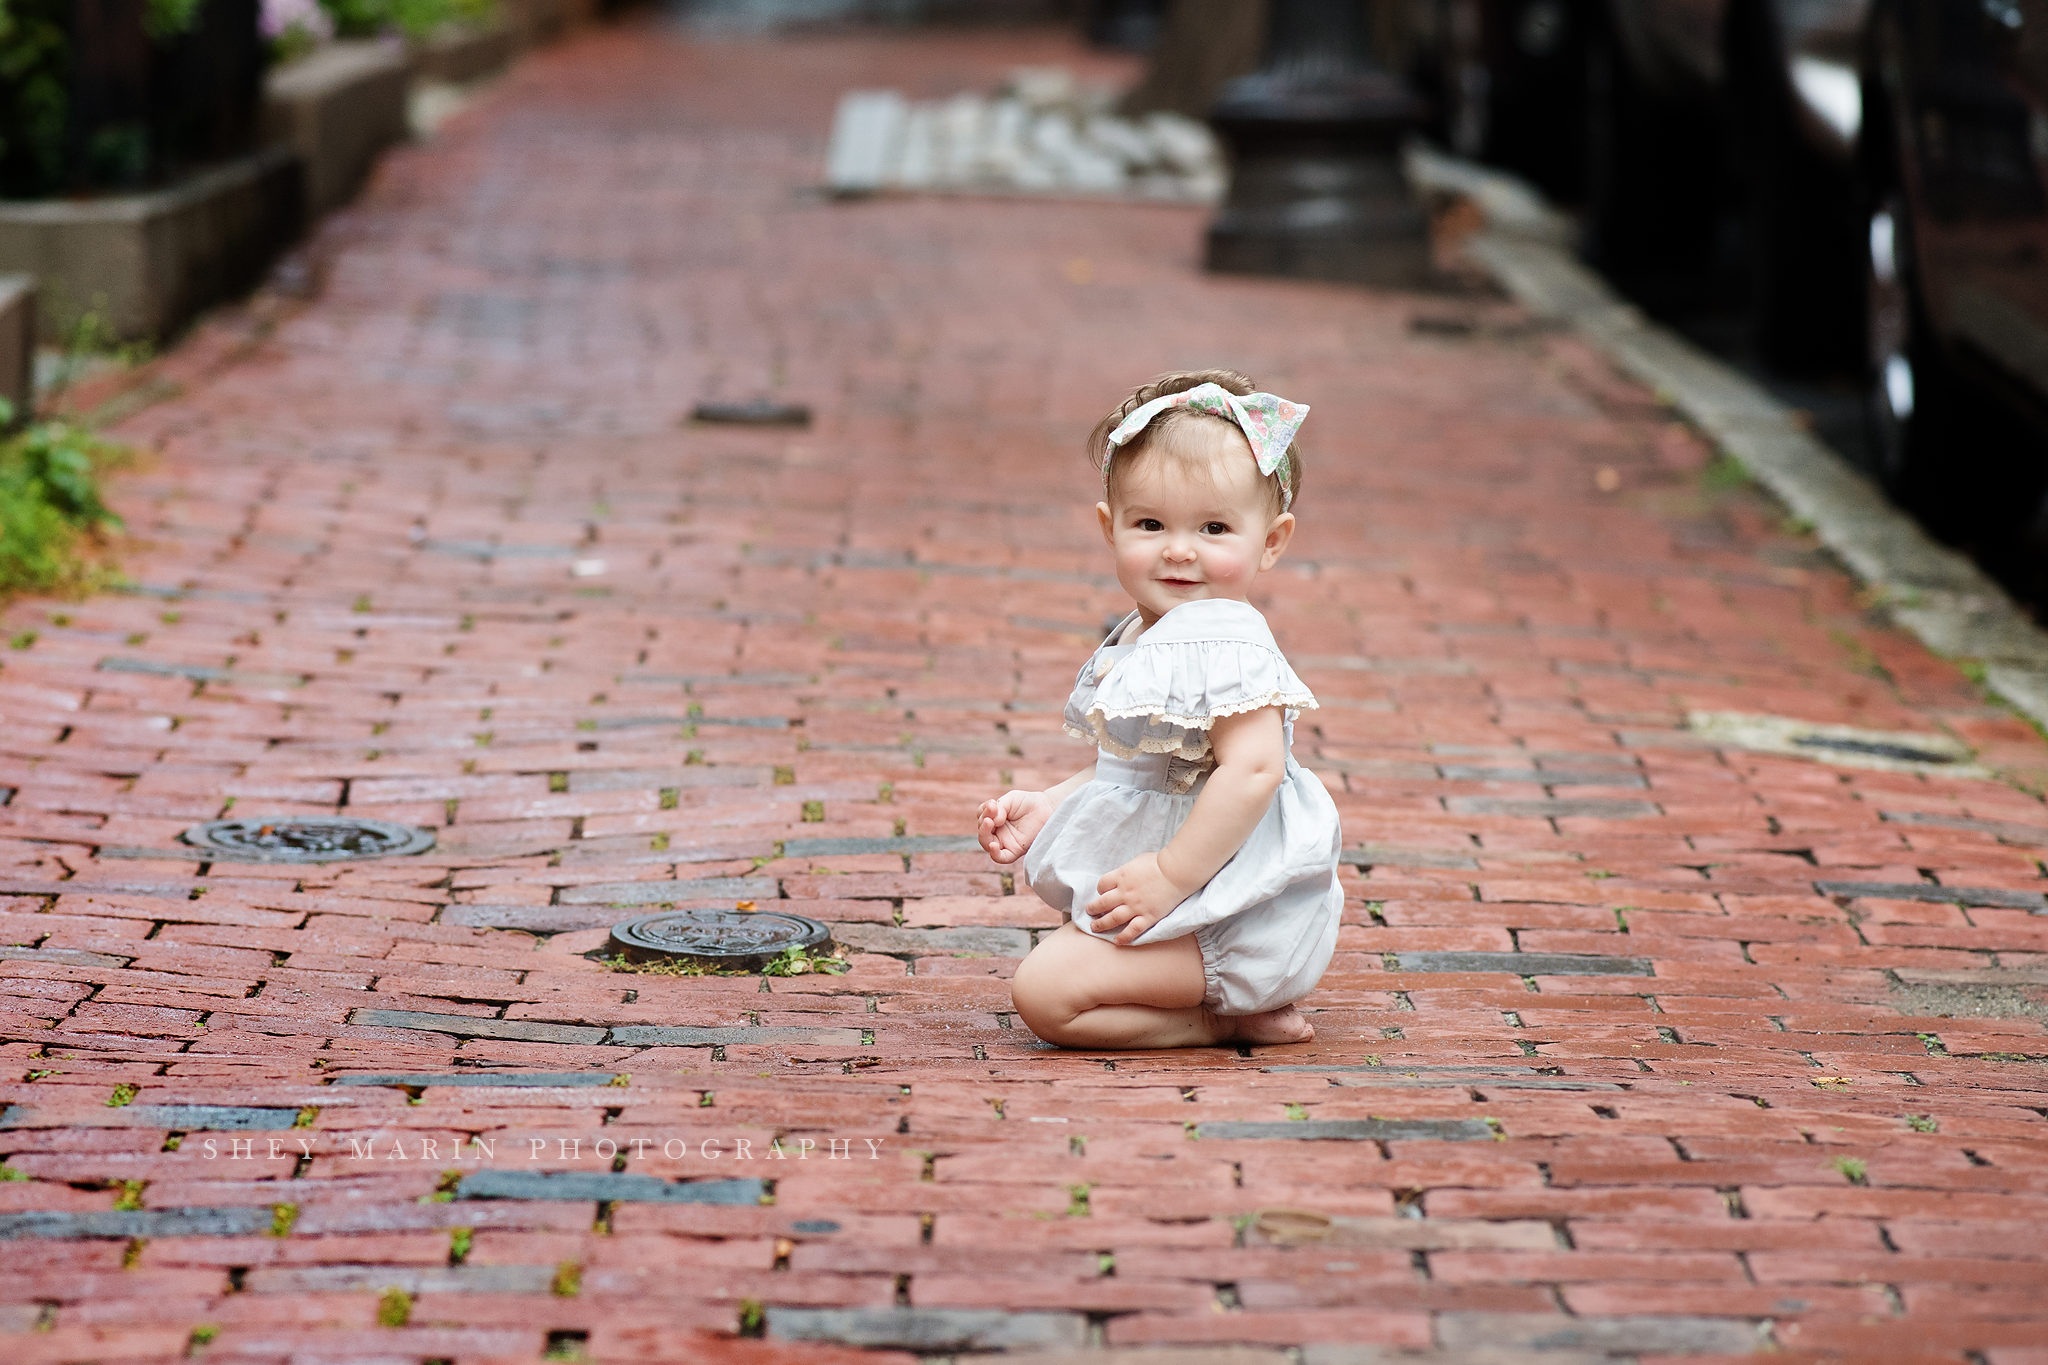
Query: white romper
<point x="1267" y="921"/>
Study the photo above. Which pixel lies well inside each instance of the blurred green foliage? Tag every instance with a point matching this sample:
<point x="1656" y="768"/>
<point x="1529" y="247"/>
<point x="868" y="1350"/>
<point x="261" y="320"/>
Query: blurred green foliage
<point x="35" y="98"/>
<point x="415" y="18"/>
<point x="50" y="503"/>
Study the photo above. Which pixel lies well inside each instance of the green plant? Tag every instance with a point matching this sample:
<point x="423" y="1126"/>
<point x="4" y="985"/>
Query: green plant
<point x="123" y="1096"/>
<point x="366" y="18"/>
<point x="49" y="503"/>
<point x="568" y="1281"/>
<point x="802" y="961"/>
<point x="131" y="1196"/>
<point x="394" y="1308"/>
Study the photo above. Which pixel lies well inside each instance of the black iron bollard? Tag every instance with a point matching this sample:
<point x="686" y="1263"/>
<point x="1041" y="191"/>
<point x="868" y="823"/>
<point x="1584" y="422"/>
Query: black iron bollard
<point x="1314" y="135"/>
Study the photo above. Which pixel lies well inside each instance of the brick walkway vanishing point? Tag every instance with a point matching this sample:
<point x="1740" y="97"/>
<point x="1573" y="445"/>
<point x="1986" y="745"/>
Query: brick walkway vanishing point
<point x="1634" y="1048"/>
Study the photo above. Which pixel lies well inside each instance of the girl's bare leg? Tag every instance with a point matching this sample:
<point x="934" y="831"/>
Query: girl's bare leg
<point x="1079" y="991"/>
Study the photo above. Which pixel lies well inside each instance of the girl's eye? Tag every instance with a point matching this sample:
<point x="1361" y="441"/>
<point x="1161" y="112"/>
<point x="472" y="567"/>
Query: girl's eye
<point x="1216" y="528"/>
<point x="1151" y="524"/>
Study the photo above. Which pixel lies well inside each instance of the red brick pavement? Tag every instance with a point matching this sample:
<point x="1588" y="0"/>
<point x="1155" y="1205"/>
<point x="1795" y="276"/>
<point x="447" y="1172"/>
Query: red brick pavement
<point x="1742" y="1130"/>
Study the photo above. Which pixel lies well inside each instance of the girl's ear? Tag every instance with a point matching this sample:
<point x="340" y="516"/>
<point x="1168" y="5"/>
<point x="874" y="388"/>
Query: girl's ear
<point x="1107" y="520"/>
<point x="1277" y="536"/>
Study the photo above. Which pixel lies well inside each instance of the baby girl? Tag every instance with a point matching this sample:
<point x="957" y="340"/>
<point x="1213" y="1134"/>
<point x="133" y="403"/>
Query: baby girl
<point x="1196" y="861"/>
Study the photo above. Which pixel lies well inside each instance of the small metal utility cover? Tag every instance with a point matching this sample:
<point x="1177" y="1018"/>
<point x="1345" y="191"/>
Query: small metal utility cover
<point x="755" y="412"/>
<point x="306" y="839"/>
<point x="731" y="938"/>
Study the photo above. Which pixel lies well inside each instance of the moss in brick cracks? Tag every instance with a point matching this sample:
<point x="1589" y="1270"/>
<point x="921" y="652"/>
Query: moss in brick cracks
<point x="53" y="525"/>
<point x="790" y="962"/>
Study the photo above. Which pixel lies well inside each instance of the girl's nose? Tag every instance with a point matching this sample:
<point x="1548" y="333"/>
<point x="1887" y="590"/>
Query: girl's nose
<point x="1180" y="549"/>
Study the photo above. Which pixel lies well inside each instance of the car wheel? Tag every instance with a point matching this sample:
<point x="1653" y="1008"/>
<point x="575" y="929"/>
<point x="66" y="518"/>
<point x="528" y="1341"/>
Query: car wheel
<point x="1944" y="450"/>
<point x="1801" y="215"/>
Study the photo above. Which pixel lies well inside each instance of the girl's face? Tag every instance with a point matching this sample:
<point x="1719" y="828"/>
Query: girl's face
<point x="1193" y="522"/>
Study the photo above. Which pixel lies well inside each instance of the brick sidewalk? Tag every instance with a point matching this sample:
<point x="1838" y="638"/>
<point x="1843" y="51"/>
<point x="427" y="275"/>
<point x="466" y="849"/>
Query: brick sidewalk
<point x="1628" y="1047"/>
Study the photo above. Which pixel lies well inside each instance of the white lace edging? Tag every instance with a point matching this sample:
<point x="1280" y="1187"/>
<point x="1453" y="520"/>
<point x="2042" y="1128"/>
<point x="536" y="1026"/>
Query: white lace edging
<point x="1099" y="737"/>
<point x="1293" y="701"/>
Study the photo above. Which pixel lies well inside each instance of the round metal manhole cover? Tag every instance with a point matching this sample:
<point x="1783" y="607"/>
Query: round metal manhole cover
<point x="736" y="938"/>
<point x="307" y="839"/>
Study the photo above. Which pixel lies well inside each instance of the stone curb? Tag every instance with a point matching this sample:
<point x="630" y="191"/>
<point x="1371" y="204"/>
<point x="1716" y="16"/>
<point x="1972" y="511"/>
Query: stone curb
<point x="1937" y="594"/>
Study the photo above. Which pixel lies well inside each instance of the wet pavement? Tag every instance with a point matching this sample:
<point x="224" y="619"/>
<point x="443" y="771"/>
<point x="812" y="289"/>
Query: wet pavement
<point x="1638" y="1044"/>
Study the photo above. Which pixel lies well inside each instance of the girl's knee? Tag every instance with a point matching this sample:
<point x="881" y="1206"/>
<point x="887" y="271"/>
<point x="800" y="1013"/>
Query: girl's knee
<point x="1048" y="988"/>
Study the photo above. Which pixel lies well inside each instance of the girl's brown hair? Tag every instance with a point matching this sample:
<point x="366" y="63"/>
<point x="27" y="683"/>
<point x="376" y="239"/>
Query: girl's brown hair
<point x="1123" y="457"/>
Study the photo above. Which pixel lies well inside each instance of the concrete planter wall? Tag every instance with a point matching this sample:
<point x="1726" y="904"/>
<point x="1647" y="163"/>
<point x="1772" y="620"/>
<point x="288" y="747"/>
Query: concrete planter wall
<point x="338" y="107"/>
<point x="534" y="22"/>
<point x="456" y="56"/>
<point x="147" y="262"/>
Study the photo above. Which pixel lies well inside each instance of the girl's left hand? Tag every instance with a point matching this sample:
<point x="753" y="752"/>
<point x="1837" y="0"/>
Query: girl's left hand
<point x="1134" y="898"/>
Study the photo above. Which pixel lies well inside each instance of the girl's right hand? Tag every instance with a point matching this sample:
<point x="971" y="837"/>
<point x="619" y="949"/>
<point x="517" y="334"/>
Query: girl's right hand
<point x="1010" y="822"/>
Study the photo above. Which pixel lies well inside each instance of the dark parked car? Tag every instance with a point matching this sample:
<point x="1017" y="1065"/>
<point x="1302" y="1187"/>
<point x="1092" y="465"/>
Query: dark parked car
<point x="1875" y="166"/>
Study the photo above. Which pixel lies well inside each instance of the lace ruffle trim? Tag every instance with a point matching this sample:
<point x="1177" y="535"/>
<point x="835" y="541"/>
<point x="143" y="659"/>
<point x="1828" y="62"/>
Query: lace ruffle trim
<point x="1295" y="701"/>
<point x="1149" y="744"/>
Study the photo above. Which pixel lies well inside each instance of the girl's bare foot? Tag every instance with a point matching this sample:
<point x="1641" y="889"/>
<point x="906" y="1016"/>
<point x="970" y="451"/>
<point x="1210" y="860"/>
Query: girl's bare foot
<point x="1284" y="1025"/>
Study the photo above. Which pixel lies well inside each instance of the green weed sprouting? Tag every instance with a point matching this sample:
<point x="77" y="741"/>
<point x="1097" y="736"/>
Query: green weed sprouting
<point x="792" y="961"/>
<point x="50" y="506"/>
<point x="394" y="1308"/>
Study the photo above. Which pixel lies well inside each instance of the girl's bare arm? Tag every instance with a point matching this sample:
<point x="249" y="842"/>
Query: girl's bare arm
<point x="1251" y="762"/>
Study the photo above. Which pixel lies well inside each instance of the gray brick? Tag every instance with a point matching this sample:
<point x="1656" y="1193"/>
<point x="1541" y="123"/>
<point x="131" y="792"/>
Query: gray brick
<point x="1398" y="1070"/>
<point x="928" y="1329"/>
<point x="1488" y="1084"/>
<point x="1614" y="1336"/>
<point x="198" y="1222"/>
<point x="1381" y="855"/>
<point x="184" y="1118"/>
<point x="166" y="890"/>
<point x="1445" y="1077"/>
<point x="515" y="1079"/>
<point x="2005" y="831"/>
<point x="535" y="919"/>
<point x="605" y="1187"/>
<point x="1621" y="777"/>
<point x="909" y="843"/>
<point x="646" y="722"/>
<point x="653" y="779"/>
<point x="1355" y="1130"/>
<point x="1528" y="964"/>
<point x="717" y="679"/>
<point x="464" y="1026"/>
<point x="440" y="1279"/>
<point x="963" y="942"/>
<point x="201" y="673"/>
<point x="69" y="957"/>
<point x="1561" y="808"/>
<point x="668" y="1035"/>
<point x="1994" y="896"/>
<point x="659" y="893"/>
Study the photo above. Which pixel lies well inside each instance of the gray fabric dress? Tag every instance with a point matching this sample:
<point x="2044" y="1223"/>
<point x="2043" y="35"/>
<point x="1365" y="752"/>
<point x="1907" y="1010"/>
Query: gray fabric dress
<point x="1267" y="921"/>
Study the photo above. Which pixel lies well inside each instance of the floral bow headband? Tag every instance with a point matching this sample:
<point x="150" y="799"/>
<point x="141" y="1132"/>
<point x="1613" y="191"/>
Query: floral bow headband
<point x="1267" y="420"/>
